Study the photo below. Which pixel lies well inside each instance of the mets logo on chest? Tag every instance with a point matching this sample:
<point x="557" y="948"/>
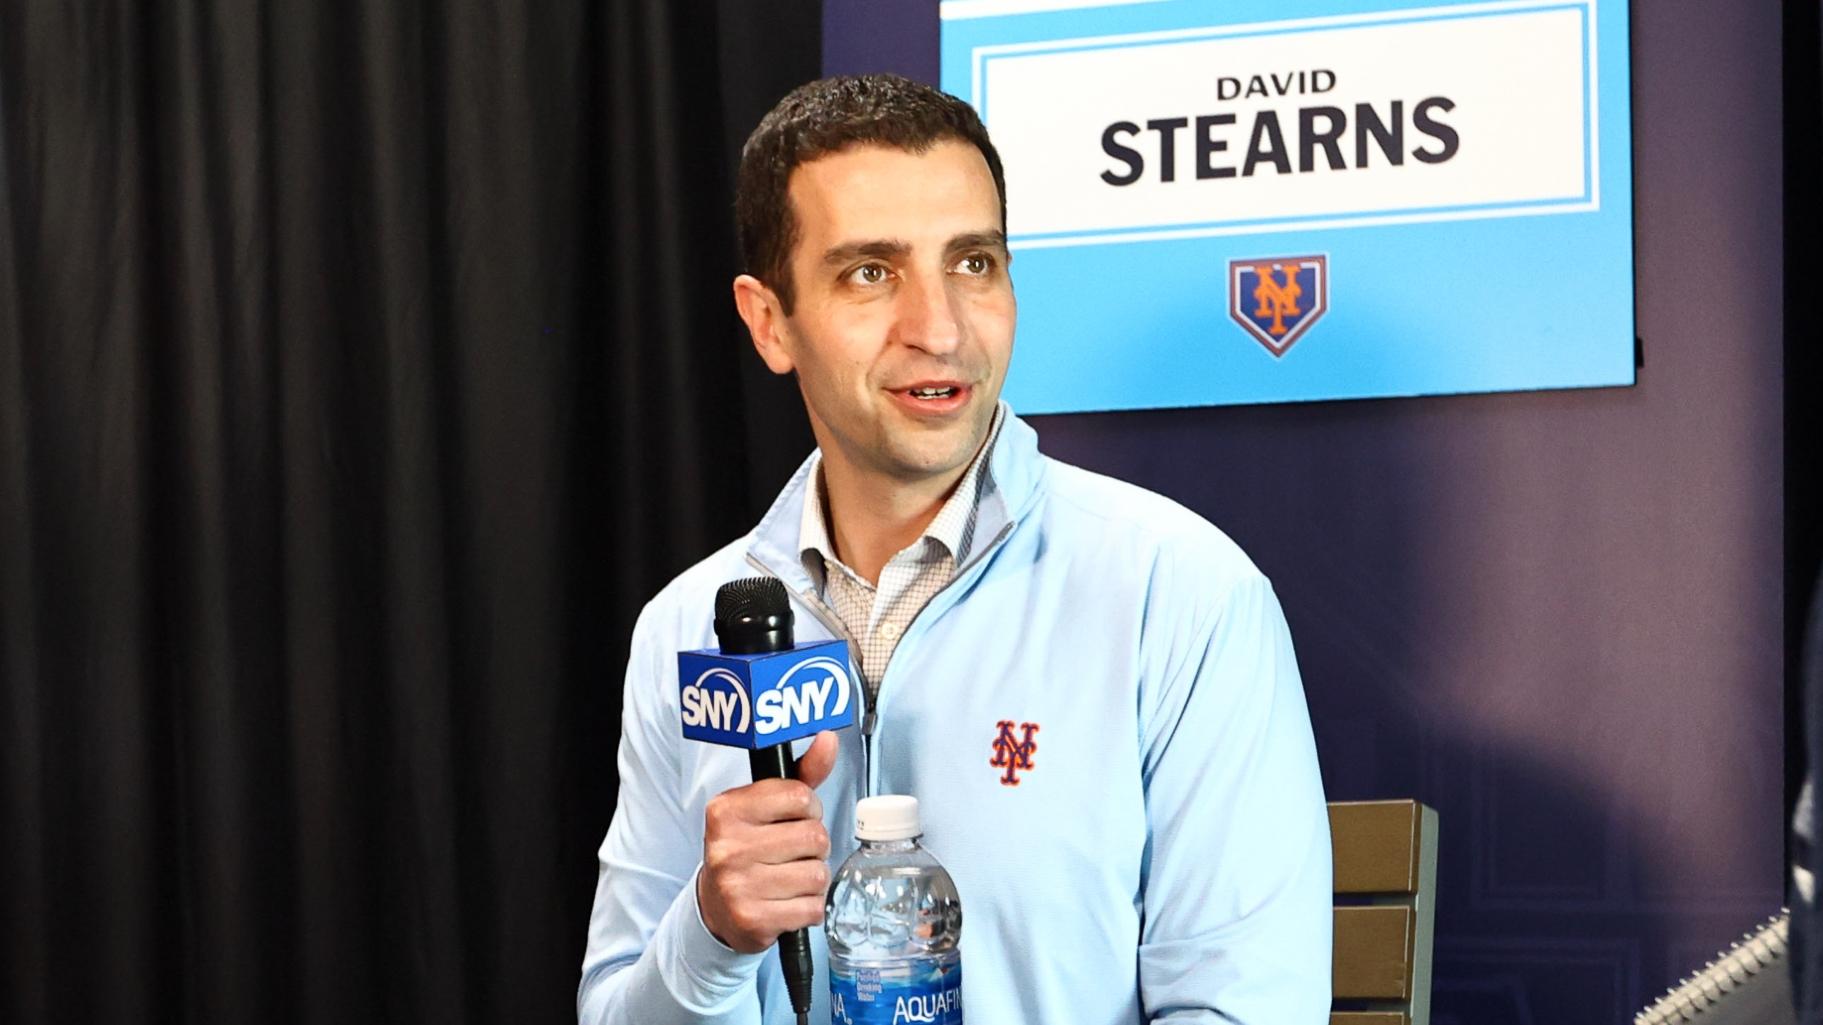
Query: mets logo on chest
<point x="1013" y="751"/>
<point x="1276" y="299"/>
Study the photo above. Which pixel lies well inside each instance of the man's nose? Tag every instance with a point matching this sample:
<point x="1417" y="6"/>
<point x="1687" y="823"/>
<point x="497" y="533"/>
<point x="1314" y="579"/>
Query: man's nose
<point x="929" y="315"/>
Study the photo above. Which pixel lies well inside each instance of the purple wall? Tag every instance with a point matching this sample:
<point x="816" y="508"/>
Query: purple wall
<point x="1556" y="617"/>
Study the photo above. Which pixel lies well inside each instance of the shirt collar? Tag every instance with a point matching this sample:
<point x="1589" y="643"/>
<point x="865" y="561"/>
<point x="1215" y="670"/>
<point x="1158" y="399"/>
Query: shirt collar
<point x="953" y="527"/>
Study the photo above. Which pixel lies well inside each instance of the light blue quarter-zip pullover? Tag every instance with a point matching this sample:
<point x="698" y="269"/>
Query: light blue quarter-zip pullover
<point x="1157" y="852"/>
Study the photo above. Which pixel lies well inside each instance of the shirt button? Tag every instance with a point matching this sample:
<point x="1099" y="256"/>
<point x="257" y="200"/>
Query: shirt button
<point x="890" y="631"/>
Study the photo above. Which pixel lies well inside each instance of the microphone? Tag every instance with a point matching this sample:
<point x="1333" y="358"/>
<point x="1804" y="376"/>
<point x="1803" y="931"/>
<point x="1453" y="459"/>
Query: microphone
<point x="760" y="692"/>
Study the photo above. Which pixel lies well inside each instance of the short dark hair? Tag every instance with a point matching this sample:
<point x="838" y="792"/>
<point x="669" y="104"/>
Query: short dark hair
<point x="824" y="117"/>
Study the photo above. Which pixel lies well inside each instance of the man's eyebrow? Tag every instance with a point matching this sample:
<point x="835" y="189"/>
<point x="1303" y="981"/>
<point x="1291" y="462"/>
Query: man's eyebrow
<point x="896" y="249"/>
<point x="883" y="249"/>
<point x="977" y="240"/>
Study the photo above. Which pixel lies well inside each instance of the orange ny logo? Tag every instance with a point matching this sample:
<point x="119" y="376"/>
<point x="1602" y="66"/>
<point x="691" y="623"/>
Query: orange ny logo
<point x="1275" y="300"/>
<point x="1012" y="753"/>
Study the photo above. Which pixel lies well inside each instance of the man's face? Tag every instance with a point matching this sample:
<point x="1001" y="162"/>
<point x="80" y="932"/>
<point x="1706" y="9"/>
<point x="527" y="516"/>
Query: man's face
<point x="903" y="323"/>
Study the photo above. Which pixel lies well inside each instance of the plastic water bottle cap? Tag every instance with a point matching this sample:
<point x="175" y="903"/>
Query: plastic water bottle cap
<point x="887" y="817"/>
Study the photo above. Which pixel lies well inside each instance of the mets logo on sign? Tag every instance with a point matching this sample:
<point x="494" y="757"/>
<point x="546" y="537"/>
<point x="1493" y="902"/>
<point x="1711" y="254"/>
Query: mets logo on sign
<point x="1277" y="298"/>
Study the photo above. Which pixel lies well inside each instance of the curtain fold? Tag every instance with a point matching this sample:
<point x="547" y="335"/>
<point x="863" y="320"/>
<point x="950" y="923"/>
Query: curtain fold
<point x="363" y="368"/>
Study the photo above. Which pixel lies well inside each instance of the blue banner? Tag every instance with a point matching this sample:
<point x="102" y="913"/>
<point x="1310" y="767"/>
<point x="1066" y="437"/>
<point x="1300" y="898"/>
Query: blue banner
<point x="1232" y="201"/>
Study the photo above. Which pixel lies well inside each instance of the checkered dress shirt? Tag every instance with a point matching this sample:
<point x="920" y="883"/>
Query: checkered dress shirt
<point x="877" y="616"/>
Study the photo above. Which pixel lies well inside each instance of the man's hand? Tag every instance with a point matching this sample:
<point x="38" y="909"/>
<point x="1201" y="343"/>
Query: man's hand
<point x="764" y="849"/>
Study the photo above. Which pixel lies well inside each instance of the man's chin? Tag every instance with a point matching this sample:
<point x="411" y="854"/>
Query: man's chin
<point x="925" y="462"/>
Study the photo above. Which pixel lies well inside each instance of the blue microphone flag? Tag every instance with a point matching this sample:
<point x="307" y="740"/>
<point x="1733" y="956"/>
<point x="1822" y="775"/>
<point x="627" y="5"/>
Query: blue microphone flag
<point x="755" y="701"/>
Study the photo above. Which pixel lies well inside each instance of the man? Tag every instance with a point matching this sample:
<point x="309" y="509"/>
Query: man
<point x="1090" y="689"/>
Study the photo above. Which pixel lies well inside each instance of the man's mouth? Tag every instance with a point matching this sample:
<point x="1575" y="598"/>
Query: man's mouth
<point x="933" y="398"/>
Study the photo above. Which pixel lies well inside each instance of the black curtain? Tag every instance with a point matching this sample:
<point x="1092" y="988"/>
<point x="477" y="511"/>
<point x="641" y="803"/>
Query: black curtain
<point x="363" y="368"/>
<point x="1802" y="95"/>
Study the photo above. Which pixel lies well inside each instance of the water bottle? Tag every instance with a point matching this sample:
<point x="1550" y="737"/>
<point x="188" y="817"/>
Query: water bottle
<point x="893" y="920"/>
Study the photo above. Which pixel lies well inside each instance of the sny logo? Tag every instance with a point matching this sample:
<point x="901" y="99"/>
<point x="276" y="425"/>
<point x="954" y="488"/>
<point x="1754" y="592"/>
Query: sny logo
<point x="808" y="691"/>
<point x="1277" y="299"/>
<point x="717" y="700"/>
<point x="811" y="690"/>
<point x="1012" y="753"/>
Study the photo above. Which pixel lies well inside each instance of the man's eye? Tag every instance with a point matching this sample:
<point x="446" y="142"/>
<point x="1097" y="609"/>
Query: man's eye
<point x="868" y="274"/>
<point x="975" y="263"/>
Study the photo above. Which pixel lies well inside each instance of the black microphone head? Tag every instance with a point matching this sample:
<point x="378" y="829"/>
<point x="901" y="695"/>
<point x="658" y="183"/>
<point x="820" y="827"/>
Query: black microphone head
<point x="752" y="596"/>
<point x="753" y="616"/>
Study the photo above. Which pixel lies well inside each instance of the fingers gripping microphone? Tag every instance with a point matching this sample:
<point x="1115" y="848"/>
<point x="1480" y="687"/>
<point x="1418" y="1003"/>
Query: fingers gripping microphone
<point x="759" y="691"/>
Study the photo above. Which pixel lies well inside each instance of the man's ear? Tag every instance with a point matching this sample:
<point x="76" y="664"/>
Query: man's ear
<point x="765" y="318"/>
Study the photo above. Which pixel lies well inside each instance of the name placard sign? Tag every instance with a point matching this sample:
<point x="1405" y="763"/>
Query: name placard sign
<point x="1233" y="201"/>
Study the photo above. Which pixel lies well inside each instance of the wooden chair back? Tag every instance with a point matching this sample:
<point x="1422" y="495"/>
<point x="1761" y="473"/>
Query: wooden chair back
<point x="1386" y="887"/>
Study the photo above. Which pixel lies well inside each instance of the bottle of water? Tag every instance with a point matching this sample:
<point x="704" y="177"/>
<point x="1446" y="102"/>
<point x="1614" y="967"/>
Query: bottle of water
<point x="893" y="920"/>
